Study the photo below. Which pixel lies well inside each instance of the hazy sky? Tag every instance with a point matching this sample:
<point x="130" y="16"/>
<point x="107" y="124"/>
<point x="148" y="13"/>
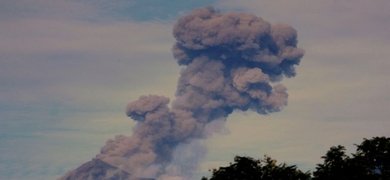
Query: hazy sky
<point x="68" y="68"/>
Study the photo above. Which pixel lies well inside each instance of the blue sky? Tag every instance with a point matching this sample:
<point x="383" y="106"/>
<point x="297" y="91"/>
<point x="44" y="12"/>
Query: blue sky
<point x="68" y="69"/>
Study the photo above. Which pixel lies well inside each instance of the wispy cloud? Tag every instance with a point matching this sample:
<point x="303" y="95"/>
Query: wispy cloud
<point x="67" y="64"/>
<point x="61" y="72"/>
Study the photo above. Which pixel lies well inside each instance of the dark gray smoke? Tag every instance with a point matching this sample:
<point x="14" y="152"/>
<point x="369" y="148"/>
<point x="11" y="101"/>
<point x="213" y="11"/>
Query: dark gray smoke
<point x="232" y="61"/>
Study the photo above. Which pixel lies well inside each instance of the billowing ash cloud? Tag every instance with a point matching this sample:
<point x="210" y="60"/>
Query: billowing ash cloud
<point x="231" y="61"/>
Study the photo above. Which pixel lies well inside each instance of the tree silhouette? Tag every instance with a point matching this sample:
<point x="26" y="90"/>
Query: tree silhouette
<point x="371" y="161"/>
<point x="247" y="168"/>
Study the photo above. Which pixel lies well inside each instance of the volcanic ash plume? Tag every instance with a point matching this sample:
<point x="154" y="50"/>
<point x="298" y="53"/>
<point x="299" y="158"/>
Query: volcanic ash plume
<point x="231" y="61"/>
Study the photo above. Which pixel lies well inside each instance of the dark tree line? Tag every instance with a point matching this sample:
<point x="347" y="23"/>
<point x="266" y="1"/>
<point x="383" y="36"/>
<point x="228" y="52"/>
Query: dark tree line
<point x="247" y="168"/>
<point x="371" y="161"/>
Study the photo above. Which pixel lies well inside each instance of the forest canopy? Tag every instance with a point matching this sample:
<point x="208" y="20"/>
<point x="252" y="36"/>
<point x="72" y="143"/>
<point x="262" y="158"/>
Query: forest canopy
<point x="370" y="161"/>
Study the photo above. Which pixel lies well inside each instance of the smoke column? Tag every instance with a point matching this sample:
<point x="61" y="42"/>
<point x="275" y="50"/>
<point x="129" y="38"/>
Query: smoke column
<point x="230" y="61"/>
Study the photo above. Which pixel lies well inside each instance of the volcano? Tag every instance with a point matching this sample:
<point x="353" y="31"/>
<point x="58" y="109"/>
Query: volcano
<point x="98" y="169"/>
